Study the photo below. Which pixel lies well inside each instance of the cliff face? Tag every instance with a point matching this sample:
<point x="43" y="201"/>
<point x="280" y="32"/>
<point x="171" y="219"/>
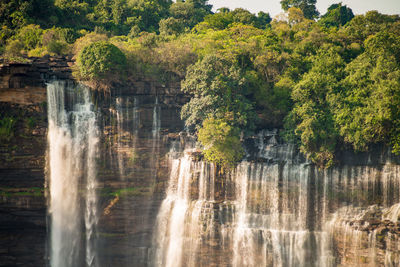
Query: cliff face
<point x="274" y="202"/>
<point x="22" y="160"/>
<point x="137" y="124"/>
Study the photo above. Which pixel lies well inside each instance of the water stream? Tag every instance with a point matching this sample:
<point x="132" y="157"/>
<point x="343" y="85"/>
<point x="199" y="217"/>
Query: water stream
<point x="281" y="211"/>
<point x="72" y="143"/>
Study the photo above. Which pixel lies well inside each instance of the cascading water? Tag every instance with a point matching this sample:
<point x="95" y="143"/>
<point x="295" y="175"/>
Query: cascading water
<point x="156" y="120"/>
<point x="279" y="211"/>
<point x="119" y="113"/>
<point x="182" y="222"/>
<point x="271" y="227"/>
<point x="73" y="144"/>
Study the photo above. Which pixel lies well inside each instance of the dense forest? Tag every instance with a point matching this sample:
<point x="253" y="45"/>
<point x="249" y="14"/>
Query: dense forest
<point x="328" y="82"/>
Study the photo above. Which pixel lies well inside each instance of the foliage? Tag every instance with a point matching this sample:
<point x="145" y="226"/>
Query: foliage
<point x="225" y="18"/>
<point x="172" y="26"/>
<point x="221" y="142"/>
<point x="219" y="108"/>
<point x="190" y="12"/>
<point x="100" y="59"/>
<point x="307" y="6"/>
<point x="13" y="48"/>
<point x="30" y="36"/>
<point x="337" y="15"/>
<point x="326" y="84"/>
<point x="7" y="128"/>
<point x="369" y="108"/>
<point x="87" y="40"/>
<point x="219" y="89"/>
<point x="315" y="121"/>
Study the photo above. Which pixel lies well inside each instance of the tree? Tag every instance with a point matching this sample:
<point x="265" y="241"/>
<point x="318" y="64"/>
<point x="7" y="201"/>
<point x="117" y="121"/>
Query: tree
<point x="368" y="107"/>
<point x="219" y="104"/>
<point x="363" y="26"/>
<point x="315" y="124"/>
<point x="219" y="89"/>
<point x="190" y="12"/>
<point x="18" y="13"/>
<point x="337" y="15"/>
<point x="224" y="18"/>
<point x="307" y="6"/>
<point x="221" y="142"/>
<point x="171" y="26"/>
<point x="101" y="59"/>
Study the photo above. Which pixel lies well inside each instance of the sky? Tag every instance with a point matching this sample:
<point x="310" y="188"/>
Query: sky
<point x="273" y="7"/>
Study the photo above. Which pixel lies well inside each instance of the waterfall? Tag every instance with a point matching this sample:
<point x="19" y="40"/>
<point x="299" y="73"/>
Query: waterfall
<point x="272" y="213"/>
<point x="278" y="211"/>
<point x="185" y="216"/>
<point x="156" y="120"/>
<point x="119" y="113"/>
<point x="72" y="143"/>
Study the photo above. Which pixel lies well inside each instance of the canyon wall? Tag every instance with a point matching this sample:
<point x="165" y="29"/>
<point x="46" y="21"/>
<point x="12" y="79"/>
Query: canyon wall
<point x="157" y="204"/>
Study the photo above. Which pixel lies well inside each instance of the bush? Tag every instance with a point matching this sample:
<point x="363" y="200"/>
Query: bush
<point x="7" y="128"/>
<point x="31" y="36"/>
<point x="54" y="41"/>
<point x="13" y="48"/>
<point x="38" y="52"/>
<point x="221" y="142"/>
<point x="57" y="47"/>
<point x="87" y="40"/>
<point x="100" y="59"/>
<point x="171" y="26"/>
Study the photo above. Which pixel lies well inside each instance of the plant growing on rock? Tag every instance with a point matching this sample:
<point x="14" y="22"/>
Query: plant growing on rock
<point x="221" y="142"/>
<point x="100" y="60"/>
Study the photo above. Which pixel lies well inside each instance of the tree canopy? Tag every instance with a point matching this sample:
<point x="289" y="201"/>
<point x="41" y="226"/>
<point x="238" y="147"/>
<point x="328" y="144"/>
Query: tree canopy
<point x="307" y="6"/>
<point x="327" y="84"/>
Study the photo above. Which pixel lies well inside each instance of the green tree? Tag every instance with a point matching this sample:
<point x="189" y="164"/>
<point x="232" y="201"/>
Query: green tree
<point x="219" y="89"/>
<point x="219" y="100"/>
<point x="224" y="18"/>
<point x="313" y="109"/>
<point x="368" y="108"/>
<point x="171" y="26"/>
<point x="18" y="13"/>
<point x="221" y="142"/>
<point x="101" y="59"/>
<point x="337" y="15"/>
<point x="307" y="6"/>
<point x="363" y="26"/>
<point x="30" y="36"/>
<point x="190" y="12"/>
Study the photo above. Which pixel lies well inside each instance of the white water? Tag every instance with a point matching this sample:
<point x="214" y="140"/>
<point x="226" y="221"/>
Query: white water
<point x="72" y="143"/>
<point x="182" y="220"/>
<point x="156" y="120"/>
<point x="271" y="227"/>
<point x="282" y="213"/>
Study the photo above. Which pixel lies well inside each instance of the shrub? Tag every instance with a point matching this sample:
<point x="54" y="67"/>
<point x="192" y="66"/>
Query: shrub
<point x="171" y="26"/>
<point x="38" y="52"/>
<point x="7" y="128"/>
<point x="88" y="39"/>
<point x="14" y="47"/>
<point x="100" y="59"/>
<point x="221" y="142"/>
<point x="57" y="47"/>
<point x="31" y="36"/>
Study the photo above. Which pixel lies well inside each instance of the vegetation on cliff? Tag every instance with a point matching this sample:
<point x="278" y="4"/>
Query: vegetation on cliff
<point x="99" y="59"/>
<point x="328" y="83"/>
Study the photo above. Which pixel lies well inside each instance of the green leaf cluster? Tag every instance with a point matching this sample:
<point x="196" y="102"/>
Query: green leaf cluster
<point x="221" y="142"/>
<point x="101" y="59"/>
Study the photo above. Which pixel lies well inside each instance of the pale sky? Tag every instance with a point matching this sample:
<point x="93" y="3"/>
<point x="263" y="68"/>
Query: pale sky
<point x="273" y="7"/>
